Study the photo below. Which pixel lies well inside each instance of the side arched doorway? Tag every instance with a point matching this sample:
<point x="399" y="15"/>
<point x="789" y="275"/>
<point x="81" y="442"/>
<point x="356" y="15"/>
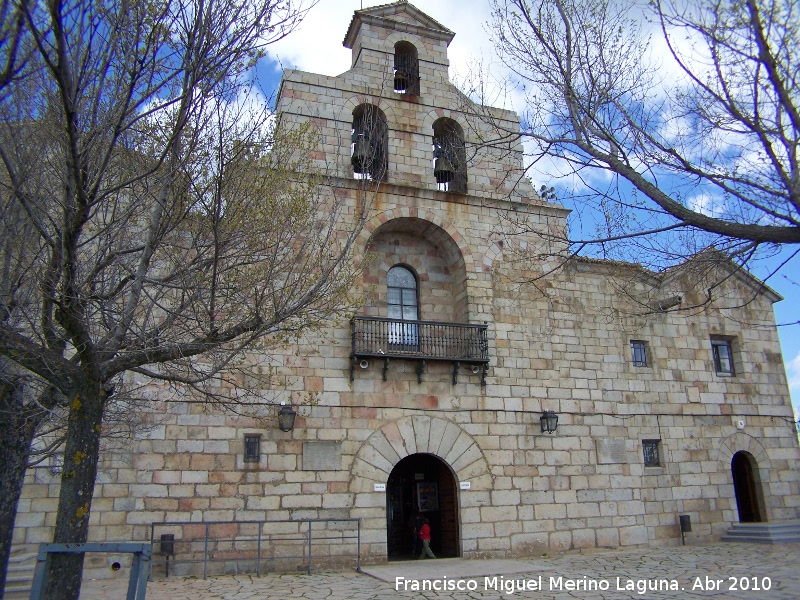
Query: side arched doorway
<point x="747" y="487"/>
<point x="422" y="484"/>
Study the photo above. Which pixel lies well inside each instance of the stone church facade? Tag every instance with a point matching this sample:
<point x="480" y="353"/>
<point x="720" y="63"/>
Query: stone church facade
<point x="433" y="398"/>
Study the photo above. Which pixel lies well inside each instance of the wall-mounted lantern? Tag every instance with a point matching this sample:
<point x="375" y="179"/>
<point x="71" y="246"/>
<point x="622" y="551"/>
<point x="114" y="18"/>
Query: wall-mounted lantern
<point x="549" y="421"/>
<point x="286" y="417"/>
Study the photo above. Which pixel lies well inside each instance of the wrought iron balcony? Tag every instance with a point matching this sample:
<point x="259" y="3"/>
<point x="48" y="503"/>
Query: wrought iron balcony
<point x="458" y="343"/>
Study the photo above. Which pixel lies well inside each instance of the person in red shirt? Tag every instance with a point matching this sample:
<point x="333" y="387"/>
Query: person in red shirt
<point x="425" y="536"/>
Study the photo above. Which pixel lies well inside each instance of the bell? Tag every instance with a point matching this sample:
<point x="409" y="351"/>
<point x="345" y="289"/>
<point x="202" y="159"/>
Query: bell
<point x="400" y="80"/>
<point x="361" y="156"/>
<point x="443" y="170"/>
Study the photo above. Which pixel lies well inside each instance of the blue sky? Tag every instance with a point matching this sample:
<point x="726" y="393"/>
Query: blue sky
<point x="317" y="47"/>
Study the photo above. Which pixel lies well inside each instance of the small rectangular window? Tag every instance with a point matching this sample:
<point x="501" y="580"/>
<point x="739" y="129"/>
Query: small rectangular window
<point x="652" y="454"/>
<point x="639" y="353"/>
<point x="252" y="448"/>
<point x="723" y="356"/>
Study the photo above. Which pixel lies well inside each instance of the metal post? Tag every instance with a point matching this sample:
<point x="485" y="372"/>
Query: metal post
<point x="205" y="554"/>
<point x="167" y="549"/>
<point x="40" y="573"/>
<point x="153" y="541"/>
<point x="309" y="547"/>
<point x="140" y="565"/>
<point x="258" y="552"/>
<point x="686" y="526"/>
<point x="133" y="579"/>
<point x="145" y="566"/>
<point x="358" y="558"/>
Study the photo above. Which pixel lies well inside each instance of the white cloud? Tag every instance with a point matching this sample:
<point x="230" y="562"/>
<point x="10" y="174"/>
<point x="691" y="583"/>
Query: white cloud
<point x="707" y="204"/>
<point x="793" y="376"/>
<point x="691" y="51"/>
<point x="317" y="45"/>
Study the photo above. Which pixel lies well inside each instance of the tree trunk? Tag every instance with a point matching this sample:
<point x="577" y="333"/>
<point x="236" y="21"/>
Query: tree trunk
<point x="81" y="455"/>
<point x="17" y="427"/>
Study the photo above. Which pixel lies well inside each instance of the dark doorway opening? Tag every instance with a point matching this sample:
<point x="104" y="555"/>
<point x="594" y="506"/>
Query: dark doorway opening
<point x="424" y="485"/>
<point x="747" y="487"/>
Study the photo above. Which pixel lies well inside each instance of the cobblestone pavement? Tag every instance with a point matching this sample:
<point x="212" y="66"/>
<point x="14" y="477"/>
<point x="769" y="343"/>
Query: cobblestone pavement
<point x="724" y="570"/>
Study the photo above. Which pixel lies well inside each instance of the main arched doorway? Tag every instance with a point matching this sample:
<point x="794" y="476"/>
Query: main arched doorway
<point x="421" y="484"/>
<point x="747" y="487"/>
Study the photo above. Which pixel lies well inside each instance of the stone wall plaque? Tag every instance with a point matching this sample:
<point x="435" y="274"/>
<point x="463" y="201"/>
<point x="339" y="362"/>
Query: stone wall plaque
<point x="611" y="452"/>
<point x="322" y="456"/>
<point x="693" y="393"/>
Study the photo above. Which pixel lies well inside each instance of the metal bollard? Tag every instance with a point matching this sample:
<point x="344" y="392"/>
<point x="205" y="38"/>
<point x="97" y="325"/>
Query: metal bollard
<point x="686" y="526"/>
<point x="167" y="547"/>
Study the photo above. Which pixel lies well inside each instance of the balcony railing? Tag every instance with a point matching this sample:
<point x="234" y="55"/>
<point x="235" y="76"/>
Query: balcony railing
<point x="419" y="340"/>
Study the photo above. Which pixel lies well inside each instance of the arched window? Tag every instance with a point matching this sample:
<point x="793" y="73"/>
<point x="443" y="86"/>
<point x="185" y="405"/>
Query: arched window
<point x="406" y="69"/>
<point x="403" y="305"/>
<point x="449" y="156"/>
<point x="369" y="142"/>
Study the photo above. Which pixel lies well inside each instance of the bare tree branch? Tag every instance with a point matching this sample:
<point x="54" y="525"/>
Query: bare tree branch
<point x="714" y="150"/>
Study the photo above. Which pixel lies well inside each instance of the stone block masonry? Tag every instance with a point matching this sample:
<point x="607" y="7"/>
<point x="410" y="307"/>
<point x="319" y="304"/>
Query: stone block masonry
<point x="402" y="438"/>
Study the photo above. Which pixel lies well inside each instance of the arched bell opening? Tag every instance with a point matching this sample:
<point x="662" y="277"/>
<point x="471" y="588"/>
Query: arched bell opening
<point x="422" y="485"/>
<point x="369" y="143"/>
<point x="747" y="488"/>
<point x="449" y="156"/>
<point x="406" y="69"/>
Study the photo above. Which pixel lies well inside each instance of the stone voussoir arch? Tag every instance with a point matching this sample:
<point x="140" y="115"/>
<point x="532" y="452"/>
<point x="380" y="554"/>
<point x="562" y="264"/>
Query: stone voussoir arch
<point x="376" y="222"/>
<point x="418" y="434"/>
<point x="435" y="114"/>
<point x="406" y="36"/>
<point x="741" y="441"/>
<point x="494" y="252"/>
<point x="387" y="108"/>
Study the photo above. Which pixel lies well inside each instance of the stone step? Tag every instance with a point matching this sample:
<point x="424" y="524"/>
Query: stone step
<point x="760" y="528"/>
<point x="764" y="533"/>
<point x="19" y="579"/>
<point x="767" y="532"/>
<point x="19" y="576"/>
<point x="27" y="560"/>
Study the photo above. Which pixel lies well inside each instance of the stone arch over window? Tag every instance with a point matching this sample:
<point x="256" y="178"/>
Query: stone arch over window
<point x="369" y="142"/>
<point x="448" y="231"/>
<point x="475" y="302"/>
<point x="406" y="68"/>
<point x="432" y="256"/>
<point x="449" y="156"/>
